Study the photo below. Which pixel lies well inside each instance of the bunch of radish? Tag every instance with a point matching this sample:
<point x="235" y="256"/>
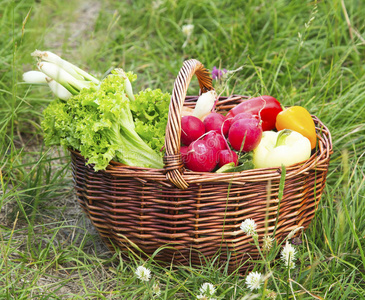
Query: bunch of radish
<point x="211" y="140"/>
<point x="217" y="140"/>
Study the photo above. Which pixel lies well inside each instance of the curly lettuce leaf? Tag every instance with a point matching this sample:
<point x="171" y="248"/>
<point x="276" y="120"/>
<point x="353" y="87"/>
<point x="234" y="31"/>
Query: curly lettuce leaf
<point x="59" y="126"/>
<point x="99" y="123"/>
<point x="150" y="111"/>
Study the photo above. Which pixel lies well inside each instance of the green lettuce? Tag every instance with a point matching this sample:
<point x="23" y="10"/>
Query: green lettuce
<point x="99" y="123"/>
<point x="150" y="111"/>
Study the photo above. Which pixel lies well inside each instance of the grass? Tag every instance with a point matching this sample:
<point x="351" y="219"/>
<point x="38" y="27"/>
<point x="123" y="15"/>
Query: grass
<point x="302" y="52"/>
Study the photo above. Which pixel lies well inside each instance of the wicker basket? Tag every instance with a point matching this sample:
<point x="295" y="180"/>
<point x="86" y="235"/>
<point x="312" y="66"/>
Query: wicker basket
<point x="198" y="214"/>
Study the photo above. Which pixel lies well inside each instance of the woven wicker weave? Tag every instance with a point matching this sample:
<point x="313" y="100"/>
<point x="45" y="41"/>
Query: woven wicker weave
<point x="198" y="213"/>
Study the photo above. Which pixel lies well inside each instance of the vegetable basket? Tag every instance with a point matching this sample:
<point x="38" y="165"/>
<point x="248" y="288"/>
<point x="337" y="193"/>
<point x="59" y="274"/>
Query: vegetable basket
<point x="181" y="216"/>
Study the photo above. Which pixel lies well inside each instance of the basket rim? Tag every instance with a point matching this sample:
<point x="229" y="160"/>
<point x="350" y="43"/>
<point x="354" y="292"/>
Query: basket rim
<point x="319" y="159"/>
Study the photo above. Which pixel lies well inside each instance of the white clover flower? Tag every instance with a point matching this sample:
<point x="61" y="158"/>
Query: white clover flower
<point x="207" y="289"/>
<point x="248" y="226"/>
<point x="254" y="280"/>
<point x="267" y="242"/>
<point x="156" y="290"/>
<point x="203" y="297"/>
<point x="187" y="29"/>
<point x="288" y="255"/>
<point x="269" y="294"/>
<point x="156" y="4"/>
<point x="143" y="273"/>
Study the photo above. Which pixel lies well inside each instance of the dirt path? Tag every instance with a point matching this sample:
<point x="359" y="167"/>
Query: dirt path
<point x="77" y="32"/>
<point x="63" y="218"/>
<point x="80" y="29"/>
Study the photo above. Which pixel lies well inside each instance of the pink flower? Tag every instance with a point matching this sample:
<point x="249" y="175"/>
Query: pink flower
<point x="218" y="73"/>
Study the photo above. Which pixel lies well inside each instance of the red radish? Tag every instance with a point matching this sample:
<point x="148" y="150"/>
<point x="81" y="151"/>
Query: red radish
<point x="215" y="140"/>
<point x="247" y="132"/>
<point x="244" y="115"/>
<point x="184" y="153"/>
<point x="265" y="106"/>
<point x="200" y="157"/>
<point x="227" y="156"/>
<point x="192" y="128"/>
<point x="216" y="122"/>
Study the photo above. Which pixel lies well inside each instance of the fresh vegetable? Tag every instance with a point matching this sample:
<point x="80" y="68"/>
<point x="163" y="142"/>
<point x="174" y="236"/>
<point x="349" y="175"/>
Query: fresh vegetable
<point x="227" y="156"/>
<point x="36" y="77"/>
<point x="150" y="110"/>
<point x="192" y="128"/>
<point x="228" y="167"/>
<point x="215" y="140"/>
<point x="243" y="163"/>
<point x="201" y="157"/>
<point x="286" y="147"/>
<point x="245" y="134"/>
<point x="99" y="123"/>
<point x="76" y="72"/>
<point x="217" y="122"/>
<point x="59" y="90"/>
<point x="72" y="84"/>
<point x="102" y="120"/>
<point x="127" y="85"/>
<point x="184" y="152"/>
<point x="205" y="104"/>
<point x="266" y="107"/>
<point x="297" y="118"/>
<point x="244" y="115"/>
<point x="64" y="78"/>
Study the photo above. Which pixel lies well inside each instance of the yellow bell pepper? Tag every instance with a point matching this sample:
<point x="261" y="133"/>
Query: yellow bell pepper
<point x="297" y="118"/>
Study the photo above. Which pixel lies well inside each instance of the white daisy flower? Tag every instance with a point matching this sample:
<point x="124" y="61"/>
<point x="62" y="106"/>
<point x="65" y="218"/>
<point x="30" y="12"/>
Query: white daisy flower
<point x="248" y="226"/>
<point x="288" y="255"/>
<point x="254" y="280"/>
<point x="143" y="273"/>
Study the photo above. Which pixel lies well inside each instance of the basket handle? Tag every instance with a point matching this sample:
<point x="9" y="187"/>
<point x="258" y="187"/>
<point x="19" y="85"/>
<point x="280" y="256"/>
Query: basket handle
<point x="173" y="163"/>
